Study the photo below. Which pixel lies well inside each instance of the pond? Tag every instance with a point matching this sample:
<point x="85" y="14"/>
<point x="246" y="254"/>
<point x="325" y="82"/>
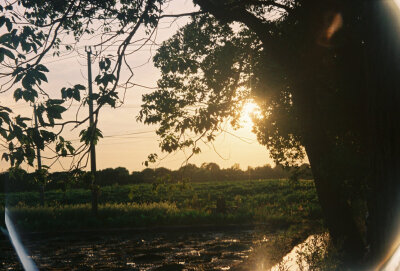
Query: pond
<point x="173" y="249"/>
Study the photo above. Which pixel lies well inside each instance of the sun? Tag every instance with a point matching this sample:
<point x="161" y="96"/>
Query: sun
<point x="249" y="109"/>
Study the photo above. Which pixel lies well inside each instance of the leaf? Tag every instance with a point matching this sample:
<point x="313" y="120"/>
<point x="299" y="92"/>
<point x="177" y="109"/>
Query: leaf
<point x="108" y="63"/>
<point x="25" y="46"/>
<point x="34" y="47"/>
<point x="54" y="101"/>
<point x="3" y="132"/>
<point x="42" y="68"/>
<point x="7" y="53"/>
<point x="102" y="65"/>
<point x="59" y="108"/>
<point x="21" y="121"/>
<point x="54" y="112"/>
<point x="70" y="148"/>
<point x="80" y="87"/>
<point x="28" y="81"/>
<point x="18" y="94"/>
<point x="5" y="156"/>
<point x="4" y="108"/>
<point x="18" y="77"/>
<point x="8" y="24"/>
<point x="76" y="94"/>
<point x="2" y="21"/>
<point x="41" y="76"/>
<point x="99" y="133"/>
<point x="64" y="93"/>
<point x="47" y="136"/>
<point x="29" y="95"/>
<point x="58" y="147"/>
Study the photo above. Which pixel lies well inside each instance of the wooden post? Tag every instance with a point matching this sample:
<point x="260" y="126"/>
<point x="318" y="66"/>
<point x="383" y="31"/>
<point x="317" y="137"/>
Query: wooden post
<point x="39" y="161"/>
<point x="92" y="146"/>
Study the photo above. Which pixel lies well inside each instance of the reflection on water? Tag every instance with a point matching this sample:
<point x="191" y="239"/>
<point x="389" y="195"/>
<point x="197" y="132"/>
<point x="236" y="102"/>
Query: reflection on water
<point x="315" y="245"/>
<point x="177" y="250"/>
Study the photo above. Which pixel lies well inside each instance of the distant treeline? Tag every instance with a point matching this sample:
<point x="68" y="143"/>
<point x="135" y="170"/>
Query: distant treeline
<point x="20" y="180"/>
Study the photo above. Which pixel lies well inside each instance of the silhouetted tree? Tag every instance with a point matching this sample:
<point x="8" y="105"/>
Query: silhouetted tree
<point x="110" y="176"/>
<point x="323" y="72"/>
<point x="317" y="71"/>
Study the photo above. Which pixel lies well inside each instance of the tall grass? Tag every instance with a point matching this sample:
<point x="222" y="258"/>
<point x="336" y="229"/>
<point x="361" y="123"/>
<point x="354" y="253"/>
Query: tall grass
<point x="274" y="202"/>
<point x="79" y="216"/>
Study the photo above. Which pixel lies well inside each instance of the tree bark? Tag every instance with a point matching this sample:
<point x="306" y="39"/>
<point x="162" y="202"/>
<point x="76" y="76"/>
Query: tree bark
<point x="338" y="214"/>
<point x="329" y="174"/>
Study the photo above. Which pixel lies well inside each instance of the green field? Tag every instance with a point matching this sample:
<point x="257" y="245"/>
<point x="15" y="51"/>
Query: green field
<point x="273" y="202"/>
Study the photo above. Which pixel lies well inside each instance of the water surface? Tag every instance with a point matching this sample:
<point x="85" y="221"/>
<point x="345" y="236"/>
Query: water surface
<point x="180" y="249"/>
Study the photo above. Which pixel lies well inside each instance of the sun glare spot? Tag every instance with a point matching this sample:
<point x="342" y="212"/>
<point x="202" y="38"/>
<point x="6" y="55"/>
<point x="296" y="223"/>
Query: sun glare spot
<point x="397" y="2"/>
<point x="249" y="110"/>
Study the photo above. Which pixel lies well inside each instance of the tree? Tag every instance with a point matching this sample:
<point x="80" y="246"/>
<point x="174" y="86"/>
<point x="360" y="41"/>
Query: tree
<point x="187" y="172"/>
<point x="213" y="167"/>
<point x="305" y="62"/>
<point x="148" y="175"/>
<point x="110" y="176"/>
<point x="210" y="171"/>
<point x="35" y="29"/>
<point x="206" y="75"/>
<point x="307" y="68"/>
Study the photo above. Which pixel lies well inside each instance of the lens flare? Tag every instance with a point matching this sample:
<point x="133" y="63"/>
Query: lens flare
<point x="27" y="263"/>
<point x="393" y="263"/>
<point x="397" y="2"/>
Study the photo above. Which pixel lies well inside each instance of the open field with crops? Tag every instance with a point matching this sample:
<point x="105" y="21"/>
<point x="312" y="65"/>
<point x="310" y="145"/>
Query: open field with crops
<point x="274" y="202"/>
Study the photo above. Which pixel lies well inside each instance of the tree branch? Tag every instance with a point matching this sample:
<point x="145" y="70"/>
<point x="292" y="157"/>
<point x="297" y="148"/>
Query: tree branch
<point x="238" y="14"/>
<point x="181" y="15"/>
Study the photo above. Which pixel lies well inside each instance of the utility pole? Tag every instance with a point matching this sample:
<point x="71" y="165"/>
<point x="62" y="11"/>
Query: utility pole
<point x="92" y="146"/>
<point x="39" y="161"/>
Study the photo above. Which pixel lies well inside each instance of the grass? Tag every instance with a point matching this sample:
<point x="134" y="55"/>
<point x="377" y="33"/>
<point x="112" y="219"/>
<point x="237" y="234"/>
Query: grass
<point x="115" y="216"/>
<point x="275" y="202"/>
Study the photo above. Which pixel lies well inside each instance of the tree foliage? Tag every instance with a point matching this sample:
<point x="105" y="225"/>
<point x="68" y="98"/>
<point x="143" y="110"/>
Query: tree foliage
<point x="209" y="71"/>
<point x="34" y="30"/>
<point x="309" y="65"/>
<point x="202" y="83"/>
<point x="19" y="180"/>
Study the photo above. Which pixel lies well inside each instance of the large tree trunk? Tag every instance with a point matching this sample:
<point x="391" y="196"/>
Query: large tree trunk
<point x="318" y="130"/>
<point x="381" y="22"/>
<point x="338" y="214"/>
<point x="329" y="181"/>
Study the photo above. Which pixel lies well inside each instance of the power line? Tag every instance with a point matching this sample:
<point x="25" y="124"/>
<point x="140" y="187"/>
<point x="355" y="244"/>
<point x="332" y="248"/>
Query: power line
<point x="135" y="133"/>
<point x="58" y="60"/>
<point x="118" y="135"/>
<point x="129" y="45"/>
<point x="104" y="50"/>
<point x="133" y="141"/>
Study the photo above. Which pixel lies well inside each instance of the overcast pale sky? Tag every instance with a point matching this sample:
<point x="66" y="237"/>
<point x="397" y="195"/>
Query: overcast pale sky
<point x="127" y="142"/>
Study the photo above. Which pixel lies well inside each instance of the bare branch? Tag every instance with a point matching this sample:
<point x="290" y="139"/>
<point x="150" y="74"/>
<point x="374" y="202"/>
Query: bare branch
<point x="181" y="14"/>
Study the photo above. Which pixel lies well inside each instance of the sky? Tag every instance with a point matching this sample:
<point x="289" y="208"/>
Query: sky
<point x="126" y="142"/>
